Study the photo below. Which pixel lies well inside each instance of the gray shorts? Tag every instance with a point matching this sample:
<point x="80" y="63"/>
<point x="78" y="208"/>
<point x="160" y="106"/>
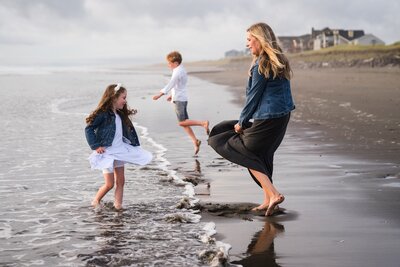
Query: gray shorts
<point x="181" y="110"/>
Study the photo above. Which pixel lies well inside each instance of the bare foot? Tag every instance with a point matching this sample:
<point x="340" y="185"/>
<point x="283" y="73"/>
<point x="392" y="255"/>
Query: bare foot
<point x="95" y="203"/>
<point x="197" y="147"/>
<point x="263" y="206"/>
<point x="273" y="204"/>
<point x="206" y="126"/>
<point x="118" y="207"/>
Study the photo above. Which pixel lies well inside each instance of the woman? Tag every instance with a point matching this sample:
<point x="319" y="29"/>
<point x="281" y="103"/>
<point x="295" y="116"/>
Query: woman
<point x="269" y="103"/>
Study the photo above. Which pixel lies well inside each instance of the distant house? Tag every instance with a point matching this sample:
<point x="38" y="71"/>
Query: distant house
<point x="331" y="37"/>
<point x="318" y="39"/>
<point x="295" y="44"/>
<point x="368" y="39"/>
<point x="236" y="53"/>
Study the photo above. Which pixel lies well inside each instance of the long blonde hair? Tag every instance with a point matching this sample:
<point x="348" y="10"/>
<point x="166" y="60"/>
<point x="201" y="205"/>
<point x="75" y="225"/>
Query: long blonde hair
<point x="271" y="58"/>
<point x="106" y="104"/>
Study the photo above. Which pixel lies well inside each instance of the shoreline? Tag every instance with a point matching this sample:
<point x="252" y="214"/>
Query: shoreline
<point x="338" y="170"/>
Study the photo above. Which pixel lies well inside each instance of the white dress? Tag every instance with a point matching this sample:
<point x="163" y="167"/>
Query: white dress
<point x="119" y="151"/>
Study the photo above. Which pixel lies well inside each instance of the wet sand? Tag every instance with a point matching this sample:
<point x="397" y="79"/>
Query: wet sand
<point x="338" y="166"/>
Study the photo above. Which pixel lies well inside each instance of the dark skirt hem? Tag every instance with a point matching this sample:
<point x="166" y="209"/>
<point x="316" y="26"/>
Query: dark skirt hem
<point x="254" y="148"/>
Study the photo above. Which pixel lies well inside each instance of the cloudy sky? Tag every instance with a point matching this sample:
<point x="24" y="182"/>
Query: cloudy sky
<point x="143" y="31"/>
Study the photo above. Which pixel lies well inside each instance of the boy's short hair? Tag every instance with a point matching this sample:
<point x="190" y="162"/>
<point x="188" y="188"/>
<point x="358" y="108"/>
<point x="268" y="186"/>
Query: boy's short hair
<point x="174" y="56"/>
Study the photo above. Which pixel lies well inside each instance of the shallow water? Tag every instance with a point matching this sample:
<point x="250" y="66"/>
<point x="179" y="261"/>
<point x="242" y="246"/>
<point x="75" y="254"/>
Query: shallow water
<point x="47" y="185"/>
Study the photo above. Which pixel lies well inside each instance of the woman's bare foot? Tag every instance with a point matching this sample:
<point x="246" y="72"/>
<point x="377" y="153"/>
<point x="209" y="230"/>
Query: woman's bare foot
<point x="206" y="126"/>
<point x="118" y="207"/>
<point x="263" y="206"/>
<point x="273" y="204"/>
<point x="197" y="147"/>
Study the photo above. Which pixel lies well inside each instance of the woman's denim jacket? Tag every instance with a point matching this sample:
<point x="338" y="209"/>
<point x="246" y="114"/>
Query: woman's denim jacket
<point x="266" y="98"/>
<point x="100" y="132"/>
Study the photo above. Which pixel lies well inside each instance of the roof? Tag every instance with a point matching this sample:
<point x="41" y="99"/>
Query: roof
<point x="347" y="34"/>
<point x="351" y="34"/>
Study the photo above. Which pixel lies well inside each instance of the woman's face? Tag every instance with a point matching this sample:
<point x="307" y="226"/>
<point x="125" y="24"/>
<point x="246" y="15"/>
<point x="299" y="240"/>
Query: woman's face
<point x="120" y="101"/>
<point x="253" y="44"/>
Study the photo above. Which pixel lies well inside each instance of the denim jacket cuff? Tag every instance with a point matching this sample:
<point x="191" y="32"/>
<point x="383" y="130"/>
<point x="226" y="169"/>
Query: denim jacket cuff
<point x="94" y="146"/>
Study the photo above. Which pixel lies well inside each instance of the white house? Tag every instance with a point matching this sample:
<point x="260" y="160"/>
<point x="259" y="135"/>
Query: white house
<point x="368" y="39"/>
<point x="331" y="37"/>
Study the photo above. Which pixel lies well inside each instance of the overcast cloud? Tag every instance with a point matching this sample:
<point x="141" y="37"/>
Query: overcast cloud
<point x="140" y="31"/>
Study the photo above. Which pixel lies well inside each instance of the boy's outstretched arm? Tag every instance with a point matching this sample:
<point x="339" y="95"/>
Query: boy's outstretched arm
<point x="156" y="97"/>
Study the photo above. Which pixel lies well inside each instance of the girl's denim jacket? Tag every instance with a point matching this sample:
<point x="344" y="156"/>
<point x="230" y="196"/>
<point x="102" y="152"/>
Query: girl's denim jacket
<point x="266" y="98"/>
<point x="100" y="132"/>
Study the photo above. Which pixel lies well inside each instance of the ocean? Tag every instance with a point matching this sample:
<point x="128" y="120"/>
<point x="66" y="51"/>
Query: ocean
<point x="47" y="185"/>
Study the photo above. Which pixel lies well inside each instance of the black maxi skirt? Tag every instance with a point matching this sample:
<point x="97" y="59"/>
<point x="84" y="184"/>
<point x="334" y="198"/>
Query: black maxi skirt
<point x="254" y="148"/>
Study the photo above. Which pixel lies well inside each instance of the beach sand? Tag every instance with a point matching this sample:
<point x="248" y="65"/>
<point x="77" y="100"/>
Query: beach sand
<point x="338" y="166"/>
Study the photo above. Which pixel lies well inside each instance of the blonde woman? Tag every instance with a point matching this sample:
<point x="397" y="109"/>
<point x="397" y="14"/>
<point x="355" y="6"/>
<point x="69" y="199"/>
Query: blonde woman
<point x="269" y="103"/>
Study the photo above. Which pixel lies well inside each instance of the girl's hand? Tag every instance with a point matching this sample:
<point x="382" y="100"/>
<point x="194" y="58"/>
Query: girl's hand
<point x="100" y="150"/>
<point x="238" y="128"/>
<point x="169" y="98"/>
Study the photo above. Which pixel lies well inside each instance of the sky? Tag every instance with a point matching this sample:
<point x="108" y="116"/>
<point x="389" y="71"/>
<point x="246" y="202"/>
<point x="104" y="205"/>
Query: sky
<point x="78" y="32"/>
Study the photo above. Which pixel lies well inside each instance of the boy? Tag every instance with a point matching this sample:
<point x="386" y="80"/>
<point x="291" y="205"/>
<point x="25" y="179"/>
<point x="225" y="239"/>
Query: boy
<point x="177" y="86"/>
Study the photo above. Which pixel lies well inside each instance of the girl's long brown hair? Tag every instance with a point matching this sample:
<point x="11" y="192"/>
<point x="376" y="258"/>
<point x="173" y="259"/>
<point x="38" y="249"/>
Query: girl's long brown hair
<point x="106" y="104"/>
<point x="271" y="58"/>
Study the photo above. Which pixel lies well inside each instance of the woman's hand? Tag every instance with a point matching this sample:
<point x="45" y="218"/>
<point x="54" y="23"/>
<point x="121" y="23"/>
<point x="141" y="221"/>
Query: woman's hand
<point x="238" y="128"/>
<point x="100" y="150"/>
<point x="169" y="98"/>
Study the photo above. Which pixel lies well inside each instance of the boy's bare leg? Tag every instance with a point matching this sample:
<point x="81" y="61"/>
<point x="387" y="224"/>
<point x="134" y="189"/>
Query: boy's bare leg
<point x="192" y="136"/>
<point x="269" y="189"/>
<point x="190" y="132"/>
<point x="119" y="187"/>
<point x="204" y="124"/>
<point x="108" y="185"/>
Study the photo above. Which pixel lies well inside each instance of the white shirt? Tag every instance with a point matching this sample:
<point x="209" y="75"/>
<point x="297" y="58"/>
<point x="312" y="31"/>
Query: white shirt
<point x="177" y="85"/>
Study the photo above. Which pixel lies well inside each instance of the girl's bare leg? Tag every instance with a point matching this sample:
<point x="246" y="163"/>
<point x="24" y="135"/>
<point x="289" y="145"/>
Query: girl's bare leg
<point x="119" y="187"/>
<point x="108" y="185"/>
<point x="269" y="189"/>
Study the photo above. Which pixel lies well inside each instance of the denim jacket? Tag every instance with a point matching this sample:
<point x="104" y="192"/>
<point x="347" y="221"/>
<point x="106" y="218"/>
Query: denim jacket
<point x="266" y="98"/>
<point x="101" y="131"/>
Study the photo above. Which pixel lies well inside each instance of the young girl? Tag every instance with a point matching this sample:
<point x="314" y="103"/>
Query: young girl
<point x="110" y="133"/>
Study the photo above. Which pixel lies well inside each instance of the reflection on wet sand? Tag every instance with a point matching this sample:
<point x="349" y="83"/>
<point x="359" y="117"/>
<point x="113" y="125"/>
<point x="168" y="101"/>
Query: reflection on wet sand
<point x="261" y="251"/>
<point x="193" y="176"/>
<point x="197" y="167"/>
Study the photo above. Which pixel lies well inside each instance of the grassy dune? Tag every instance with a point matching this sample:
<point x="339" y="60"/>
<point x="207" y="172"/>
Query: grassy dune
<point x="349" y="56"/>
<point x="338" y="56"/>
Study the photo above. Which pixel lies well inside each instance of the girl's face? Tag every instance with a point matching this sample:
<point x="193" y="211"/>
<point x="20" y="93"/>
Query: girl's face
<point x="253" y="44"/>
<point x="120" y="101"/>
